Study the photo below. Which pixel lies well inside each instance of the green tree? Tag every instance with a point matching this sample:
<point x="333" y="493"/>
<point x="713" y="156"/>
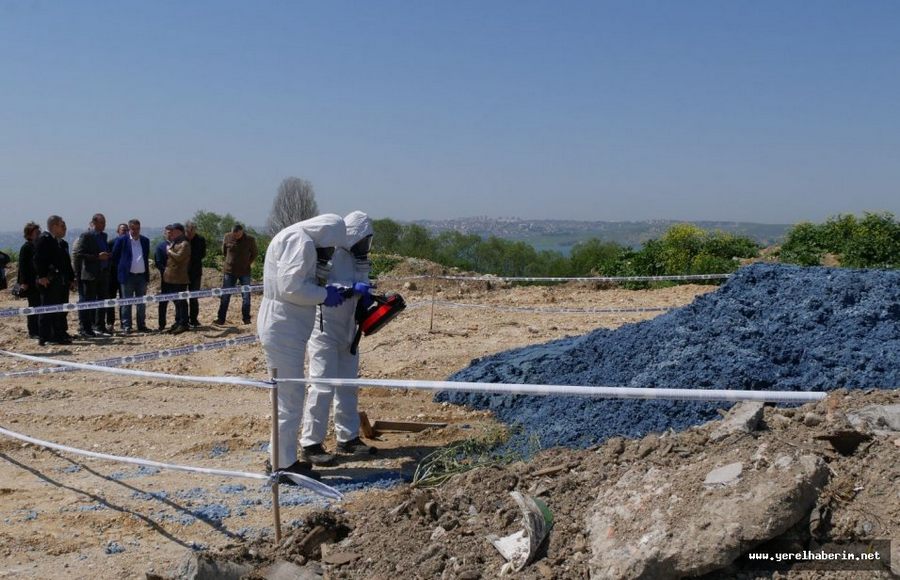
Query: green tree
<point x="875" y="243"/>
<point x="386" y="238"/>
<point x="596" y="258"/>
<point x="803" y="245"/>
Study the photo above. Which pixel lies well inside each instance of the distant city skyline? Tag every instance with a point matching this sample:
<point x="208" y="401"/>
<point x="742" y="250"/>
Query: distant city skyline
<point x="756" y="111"/>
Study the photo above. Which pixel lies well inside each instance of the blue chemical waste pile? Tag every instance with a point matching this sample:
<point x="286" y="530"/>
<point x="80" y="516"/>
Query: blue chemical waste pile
<point x="769" y="327"/>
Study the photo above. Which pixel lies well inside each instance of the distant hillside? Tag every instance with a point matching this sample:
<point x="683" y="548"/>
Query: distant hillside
<point x="561" y="235"/>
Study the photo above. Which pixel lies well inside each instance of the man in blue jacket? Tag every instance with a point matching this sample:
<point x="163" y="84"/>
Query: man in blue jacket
<point x="132" y="252"/>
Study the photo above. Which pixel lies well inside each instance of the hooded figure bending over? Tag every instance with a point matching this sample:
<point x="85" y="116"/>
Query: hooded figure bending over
<point x="287" y="313"/>
<point x="329" y="351"/>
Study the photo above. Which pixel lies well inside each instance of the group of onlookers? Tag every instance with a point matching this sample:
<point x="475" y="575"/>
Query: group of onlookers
<point x="100" y="268"/>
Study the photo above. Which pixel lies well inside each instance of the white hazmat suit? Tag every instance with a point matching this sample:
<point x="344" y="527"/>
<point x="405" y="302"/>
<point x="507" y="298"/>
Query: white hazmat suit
<point x="287" y="314"/>
<point x="329" y="345"/>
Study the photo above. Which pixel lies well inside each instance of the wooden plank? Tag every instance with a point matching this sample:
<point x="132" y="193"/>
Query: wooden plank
<point x="405" y="426"/>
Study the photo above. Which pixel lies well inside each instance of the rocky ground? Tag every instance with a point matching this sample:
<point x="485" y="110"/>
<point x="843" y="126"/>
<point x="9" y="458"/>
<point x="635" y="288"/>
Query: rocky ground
<point x="666" y="505"/>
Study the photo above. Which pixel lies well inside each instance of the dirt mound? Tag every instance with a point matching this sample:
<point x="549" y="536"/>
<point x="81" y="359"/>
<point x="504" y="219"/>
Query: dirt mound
<point x="770" y="327"/>
<point x="659" y="492"/>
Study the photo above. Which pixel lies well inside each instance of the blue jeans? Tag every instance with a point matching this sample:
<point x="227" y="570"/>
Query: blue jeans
<point x="230" y="281"/>
<point x="135" y="285"/>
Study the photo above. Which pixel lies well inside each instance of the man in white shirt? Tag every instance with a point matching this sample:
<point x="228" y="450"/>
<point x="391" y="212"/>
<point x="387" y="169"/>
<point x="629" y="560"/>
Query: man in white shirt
<point x="132" y="252"/>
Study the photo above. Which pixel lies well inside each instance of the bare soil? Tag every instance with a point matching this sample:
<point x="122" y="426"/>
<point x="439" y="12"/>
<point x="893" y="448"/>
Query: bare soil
<point x="85" y="518"/>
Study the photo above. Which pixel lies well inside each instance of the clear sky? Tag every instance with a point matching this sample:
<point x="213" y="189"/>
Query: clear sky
<point x="769" y="111"/>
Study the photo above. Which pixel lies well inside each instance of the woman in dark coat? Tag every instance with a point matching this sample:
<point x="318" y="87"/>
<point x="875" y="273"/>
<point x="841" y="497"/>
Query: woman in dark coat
<point x="26" y="278"/>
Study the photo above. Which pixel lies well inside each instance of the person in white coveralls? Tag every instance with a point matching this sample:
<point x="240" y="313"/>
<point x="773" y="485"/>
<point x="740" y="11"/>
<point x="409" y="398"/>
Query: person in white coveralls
<point x="329" y="351"/>
<point x="287" y="313"/>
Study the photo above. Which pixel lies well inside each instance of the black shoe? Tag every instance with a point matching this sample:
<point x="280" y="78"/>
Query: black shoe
<point x="246" y="321"/>
<point x="34" y="336"/>
<point x="316" y="454"/>
<point x="42" y="342"/>
<point x="195" y="323"/>
<point x="64" y="340"/>
<point x="143" y="329"/>
<point x="356" y="447"/>
<point x="178" y="329"/>
<point x="102" y="331"/>
<point x="88" y="334"/>
<point x="298" y="467"/>
<point x="219" y="322"/>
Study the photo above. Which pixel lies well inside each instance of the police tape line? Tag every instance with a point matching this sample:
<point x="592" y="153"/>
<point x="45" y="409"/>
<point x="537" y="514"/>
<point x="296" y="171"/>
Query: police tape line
<point x="301" y="480"/>
<point x="545" y="310"/>
<point x="611" y="279"/>
<point x="142" y="357"/>
<point x="469" y="387"/>
<point x="114" y="302"/>
<point x="575" y="390"/>
<point x="238" y="381"/>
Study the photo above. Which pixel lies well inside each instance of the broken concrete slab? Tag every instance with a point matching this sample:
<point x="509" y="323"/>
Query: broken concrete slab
<point x="281" y="570"/>
<point x="880" y="419"/>
<point x="642" y="527"/>
<point x="742" y="418"/>
<point x="206" y="567"/>
<point x="725" y="475"/>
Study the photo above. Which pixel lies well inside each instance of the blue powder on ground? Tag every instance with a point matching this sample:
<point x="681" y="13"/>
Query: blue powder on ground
<point x="148" y="496"/>
<point x="218" y="450"/>
<point x="95" y="507"/>
<point x="29" y="515"/>
<point x="181" y="519"/>
<point x="769" y="327"/>
<point x="232" y="488"/>
<point x="250" y="501"/>
<point x="385" y="480"/>
<point x="193" y="493"/>
<point x="214" y="512"/>
<point x="114" y="547"/>
<point x="141" y="471"/>
<point x="72" y="469"/>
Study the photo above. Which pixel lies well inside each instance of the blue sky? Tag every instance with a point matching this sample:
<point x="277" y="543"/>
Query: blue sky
<point x="746" y="111"/>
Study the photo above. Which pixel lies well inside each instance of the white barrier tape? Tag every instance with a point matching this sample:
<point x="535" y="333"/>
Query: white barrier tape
<point x="114" y="302"/>
<point x="142" y="357"/>
<point x="552" y="310"/>
<point x="488" y="388"/>
<point x="612" y="279"/>
<point x="578" y="391"/>
<point x="301" y="480"/>
<point x="146" y="374"/>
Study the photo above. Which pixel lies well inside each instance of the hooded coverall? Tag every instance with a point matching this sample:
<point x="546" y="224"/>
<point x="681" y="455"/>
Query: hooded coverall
<point x="329" y="346"/>
<point x="287" y="314"/>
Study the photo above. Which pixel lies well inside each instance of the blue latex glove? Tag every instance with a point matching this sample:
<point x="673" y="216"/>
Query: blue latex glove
<point x="362" y="288"/>
<point x="334" y="297"/>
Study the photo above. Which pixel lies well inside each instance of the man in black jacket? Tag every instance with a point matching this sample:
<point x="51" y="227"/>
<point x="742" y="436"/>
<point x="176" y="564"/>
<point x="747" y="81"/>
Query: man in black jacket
<point x="92" y="258"/>
<point x="195" y="270"/>
<point x="55" y="278"/>
<point x="27" y="274"/>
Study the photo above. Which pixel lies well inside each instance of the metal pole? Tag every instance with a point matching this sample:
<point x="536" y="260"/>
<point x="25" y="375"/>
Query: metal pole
<point x="276" y="506"/>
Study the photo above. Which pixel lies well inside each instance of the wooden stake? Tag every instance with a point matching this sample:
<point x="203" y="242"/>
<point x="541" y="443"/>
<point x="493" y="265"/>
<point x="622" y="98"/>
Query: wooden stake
<point x="276" y="506"/>
<point x="365" y="426"/>
<point x="433" y="284"/>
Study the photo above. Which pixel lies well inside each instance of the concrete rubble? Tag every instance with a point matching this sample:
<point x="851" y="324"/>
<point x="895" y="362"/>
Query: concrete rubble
<point x="641" y="528"/>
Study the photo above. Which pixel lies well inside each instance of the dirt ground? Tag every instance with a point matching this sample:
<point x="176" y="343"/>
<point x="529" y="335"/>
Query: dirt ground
<point x="86" y="518"/>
